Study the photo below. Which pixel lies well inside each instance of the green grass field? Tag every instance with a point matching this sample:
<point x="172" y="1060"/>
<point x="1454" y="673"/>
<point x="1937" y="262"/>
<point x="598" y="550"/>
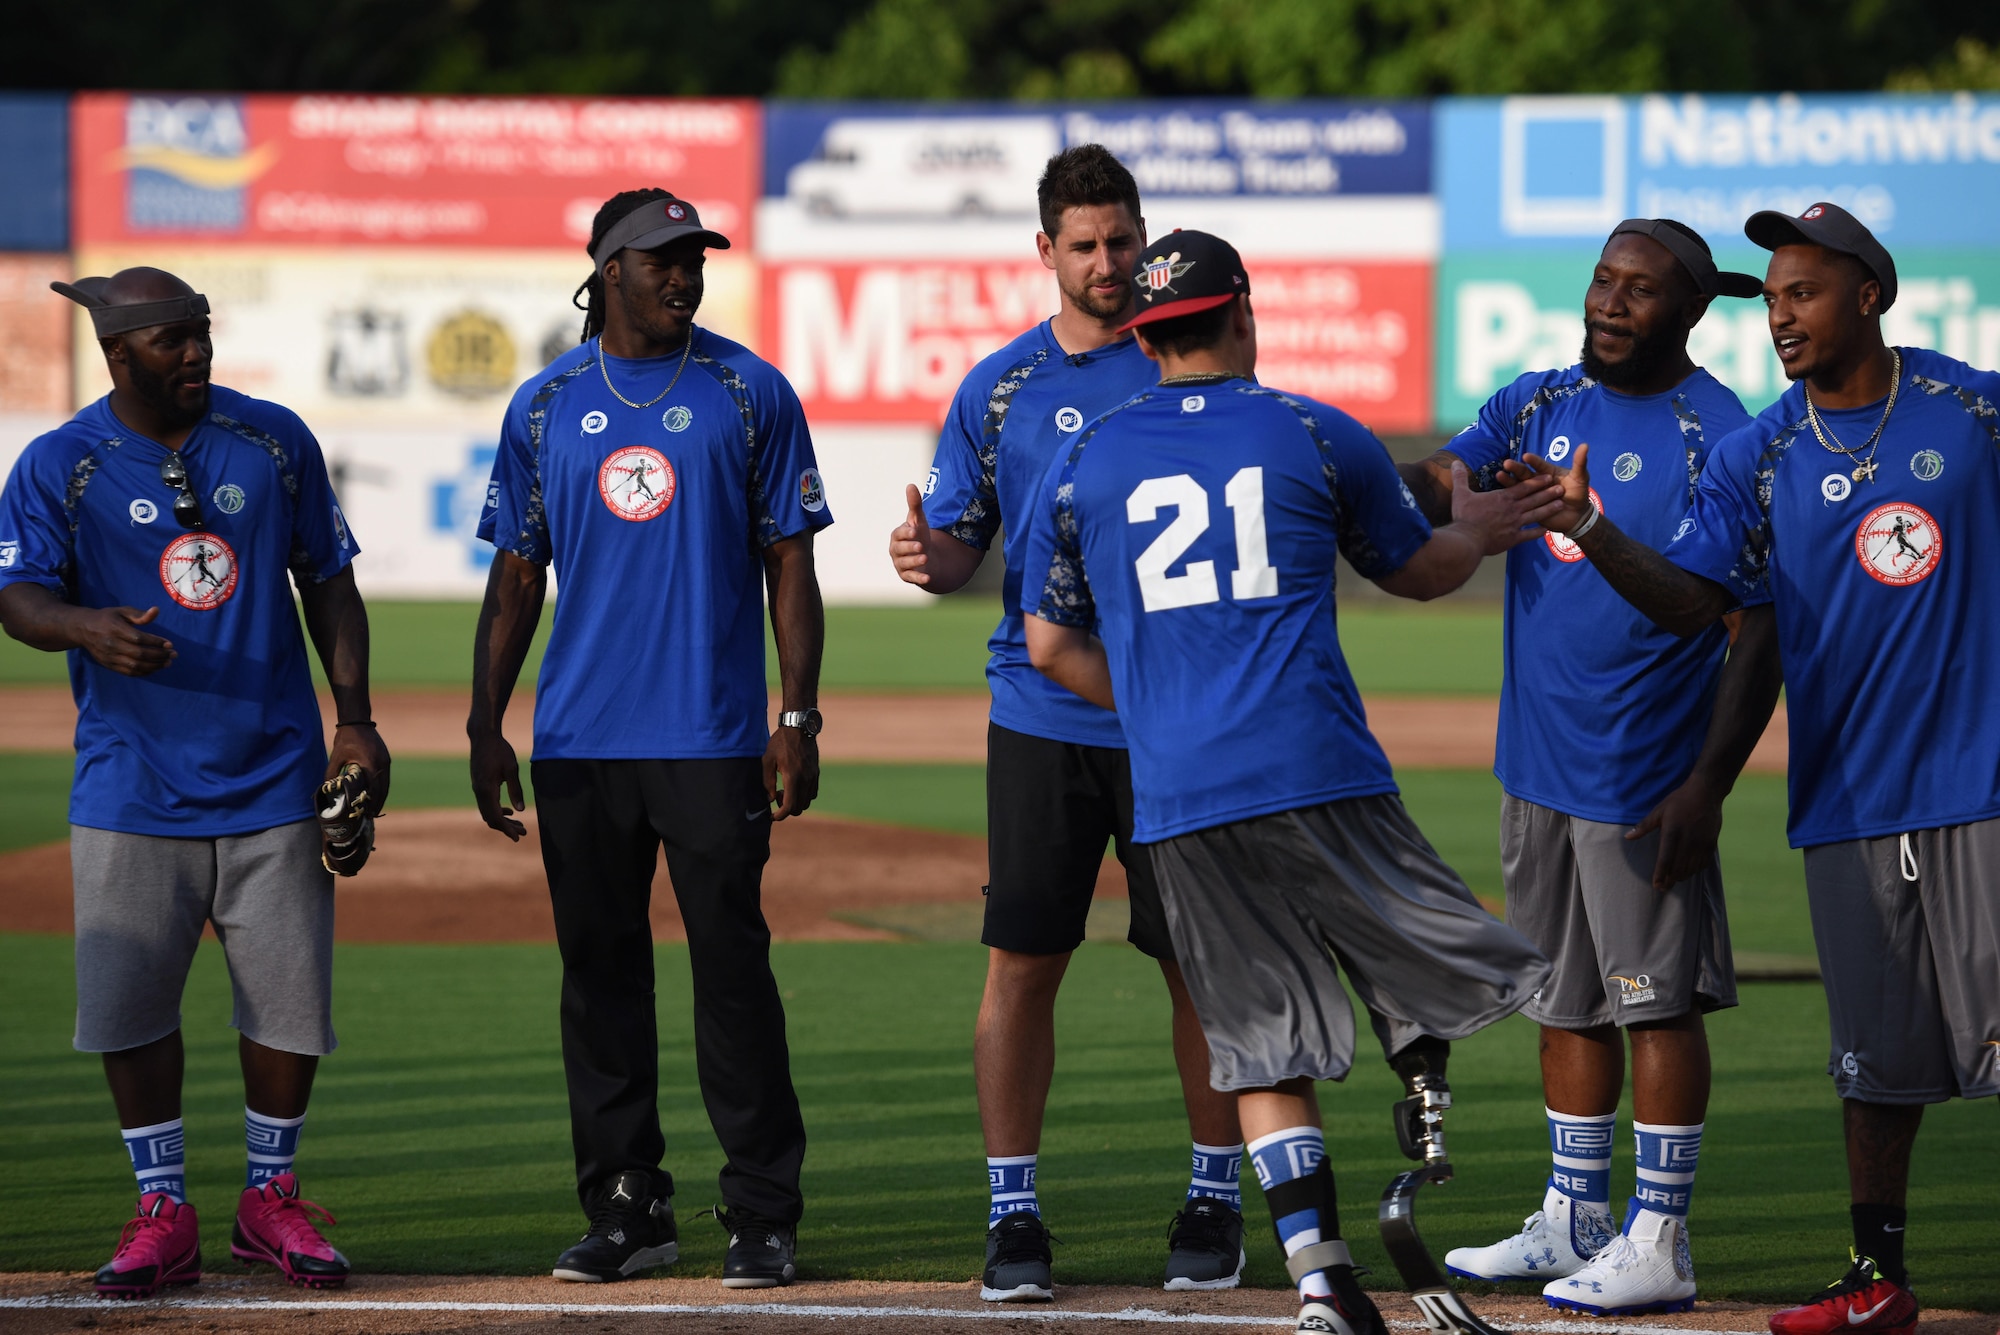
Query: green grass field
<point x="934" y="646"/>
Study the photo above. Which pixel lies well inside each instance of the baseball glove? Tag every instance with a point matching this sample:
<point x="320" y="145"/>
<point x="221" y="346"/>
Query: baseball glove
<point x="347" y="827"/>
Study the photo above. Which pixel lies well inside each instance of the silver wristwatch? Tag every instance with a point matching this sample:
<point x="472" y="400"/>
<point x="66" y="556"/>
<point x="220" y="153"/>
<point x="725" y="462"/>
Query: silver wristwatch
<point x="806" y="721"/>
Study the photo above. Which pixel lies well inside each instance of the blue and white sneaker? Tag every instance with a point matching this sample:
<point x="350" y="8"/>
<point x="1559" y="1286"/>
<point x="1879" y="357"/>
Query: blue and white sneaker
<point x="1555" y="1241"/>
<point x="1647" y="1268"/>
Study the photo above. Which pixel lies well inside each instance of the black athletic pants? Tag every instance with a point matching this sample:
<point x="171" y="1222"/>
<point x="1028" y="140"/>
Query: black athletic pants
<point x="602" y="824"/>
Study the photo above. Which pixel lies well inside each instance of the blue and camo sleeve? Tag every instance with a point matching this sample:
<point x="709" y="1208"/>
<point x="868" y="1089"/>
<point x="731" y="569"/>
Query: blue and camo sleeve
<point x="515" y="517"/>
<point x="962" y="497"/>
<point x="1726" y="534"/>
<point x="1376" y="520"/>
<point x="1054" y="585"/>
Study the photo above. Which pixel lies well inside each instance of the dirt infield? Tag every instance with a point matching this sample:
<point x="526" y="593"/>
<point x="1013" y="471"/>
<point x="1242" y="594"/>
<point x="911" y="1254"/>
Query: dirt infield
<point x="1417" y="731"/>
<point x="390" y="1304"/>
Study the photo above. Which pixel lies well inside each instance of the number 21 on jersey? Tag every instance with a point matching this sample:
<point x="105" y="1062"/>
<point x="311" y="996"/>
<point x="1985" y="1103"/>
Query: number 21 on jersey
<point x="1254" y="576"/>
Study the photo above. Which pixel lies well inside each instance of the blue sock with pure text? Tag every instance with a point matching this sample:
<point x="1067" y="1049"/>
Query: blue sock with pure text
<point x="1580" y="1148"/>
<point x="1294" y="1156"/>
<point x="1218" y="1173"/>
<point x="159" y="1158"/>
<point x="272" y="1142"/>
<point x="1667" y="1159"/>
<point x="1011" y="1184"/>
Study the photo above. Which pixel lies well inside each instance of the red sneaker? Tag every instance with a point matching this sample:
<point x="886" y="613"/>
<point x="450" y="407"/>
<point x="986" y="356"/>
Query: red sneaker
<point x="276" y="1227"/>
<point x="161" y="1245"/>
<point x="1860" y="1300"/>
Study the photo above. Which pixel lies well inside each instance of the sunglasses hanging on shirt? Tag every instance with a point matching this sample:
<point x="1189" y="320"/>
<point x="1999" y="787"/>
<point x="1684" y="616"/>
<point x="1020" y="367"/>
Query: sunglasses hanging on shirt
<point x="187" y="506"/>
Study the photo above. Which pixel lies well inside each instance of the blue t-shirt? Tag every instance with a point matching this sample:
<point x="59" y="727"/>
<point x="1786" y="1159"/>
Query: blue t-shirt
<point x="1196" y="528"/>
<point x="1888" y="610"/>
<point x="1009" y="421"/>
<point x="656" y="520"/>
<point x="227" y="738"/>
<point x="1635" y="699"/>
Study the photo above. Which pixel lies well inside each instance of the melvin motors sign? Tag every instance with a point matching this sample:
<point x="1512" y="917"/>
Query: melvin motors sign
<point x="1544" y="173"/>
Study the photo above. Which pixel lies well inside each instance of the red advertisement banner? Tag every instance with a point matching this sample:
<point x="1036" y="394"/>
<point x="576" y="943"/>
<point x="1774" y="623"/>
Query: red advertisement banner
<point x="515" y="172"/>
<point x="889" y="341"/>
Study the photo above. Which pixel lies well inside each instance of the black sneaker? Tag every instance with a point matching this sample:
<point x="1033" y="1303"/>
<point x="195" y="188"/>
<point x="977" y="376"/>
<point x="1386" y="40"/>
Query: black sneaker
<point x="631" y="1230"/>
<point x="1348" y="1312"/>
<point x="762" y="1255"/>
<point x="1205" y="1246"/>
<point x="1017" y="1261"/>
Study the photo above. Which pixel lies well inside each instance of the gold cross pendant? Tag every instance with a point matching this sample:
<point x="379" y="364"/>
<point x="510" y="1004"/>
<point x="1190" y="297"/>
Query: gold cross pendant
<point x="1865" y="471"/>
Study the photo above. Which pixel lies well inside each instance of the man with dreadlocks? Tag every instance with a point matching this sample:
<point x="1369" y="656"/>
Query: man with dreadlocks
<point x="660" y="602"/>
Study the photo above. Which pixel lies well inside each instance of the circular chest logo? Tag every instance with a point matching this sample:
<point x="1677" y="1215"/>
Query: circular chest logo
<point x="636" y="482"/>
<point x="677" y="418"/>
<point x="1626" y="466"/>
<point x="1194" y="403"/>
<point x="812" y="492"/>
<point x="228" y="498"/>
<point x="199" y="571"/>
<point x="1898" y="543"/>
<point x="1558" y="450"/>
<point x="594" y="422"/>
<point x="1069" y="419"/>
<point x="143" y="511"/>
<point x="1928" y="465"/>
<point x="1560" y="544"/>
<point x="1835" y="487"/>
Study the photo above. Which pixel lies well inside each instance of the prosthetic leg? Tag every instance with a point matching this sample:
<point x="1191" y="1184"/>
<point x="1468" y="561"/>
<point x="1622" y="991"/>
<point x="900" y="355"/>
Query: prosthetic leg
<point x="1420" y="1134"/>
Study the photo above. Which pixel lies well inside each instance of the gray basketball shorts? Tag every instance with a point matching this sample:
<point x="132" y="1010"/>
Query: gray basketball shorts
<point x="1624" y="953"/>
<point x="141" y="902"/>
<point x="1265" y="914"/>
<point x="1908" y="930"/>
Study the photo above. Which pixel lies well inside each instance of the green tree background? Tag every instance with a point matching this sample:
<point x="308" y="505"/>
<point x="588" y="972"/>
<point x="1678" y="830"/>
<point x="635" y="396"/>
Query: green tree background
<point x="1008" y="49"/>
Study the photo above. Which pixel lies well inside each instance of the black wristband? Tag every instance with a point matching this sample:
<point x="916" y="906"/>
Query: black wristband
<point x="356" y="723"/>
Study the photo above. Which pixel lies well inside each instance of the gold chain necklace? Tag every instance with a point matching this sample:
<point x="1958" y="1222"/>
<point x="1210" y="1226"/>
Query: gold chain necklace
<point x="1864" y="471"/>
<point x="604" y="366"/>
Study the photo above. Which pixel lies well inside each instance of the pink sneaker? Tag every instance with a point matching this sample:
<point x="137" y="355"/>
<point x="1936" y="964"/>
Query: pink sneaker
<point x="275" y="1226"/>
<point x="161" y="1245"/>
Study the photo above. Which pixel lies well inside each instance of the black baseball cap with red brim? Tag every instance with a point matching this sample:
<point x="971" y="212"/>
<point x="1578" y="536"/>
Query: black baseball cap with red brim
<point x="1833" y="227"/>
<point x="1184" y="273"/>
<point x="655" y="224"/>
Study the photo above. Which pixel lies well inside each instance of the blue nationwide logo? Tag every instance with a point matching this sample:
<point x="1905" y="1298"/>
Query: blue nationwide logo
<point x="188" y="164"/>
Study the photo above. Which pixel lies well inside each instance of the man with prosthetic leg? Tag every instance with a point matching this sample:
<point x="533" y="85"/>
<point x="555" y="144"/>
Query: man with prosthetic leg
<point x="1284" y="856"/>
<point x="1853" y="518"/>
<point x="1608" y="848"/>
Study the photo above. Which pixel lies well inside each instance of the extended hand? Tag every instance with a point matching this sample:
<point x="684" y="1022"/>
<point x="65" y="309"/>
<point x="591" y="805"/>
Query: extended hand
<point x="112" y="637"/>
<point x="1574" y="487"/>
<point x="794" y="756"/>
<point x="363" y="746"/>
<point x="493" y="764"/>
<point x="910" y="543"/>
<point x="1689" y="821"/>
<point x="1504" y="517"/>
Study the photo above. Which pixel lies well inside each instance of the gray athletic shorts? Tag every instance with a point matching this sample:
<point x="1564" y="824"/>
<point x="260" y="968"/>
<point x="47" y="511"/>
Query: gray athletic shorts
<point x="140" y="905"/>
<point x="1260" y="910"/>
<point x="1909" y="948"/>
<point x="1624" y="953"/>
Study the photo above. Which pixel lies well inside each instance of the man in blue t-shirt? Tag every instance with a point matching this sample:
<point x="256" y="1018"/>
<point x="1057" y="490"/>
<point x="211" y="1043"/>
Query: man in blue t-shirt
<point x="1283" y="853"/>
<point x="1856" y="514"/>
<point x="667" y="476"/>
<point x="199" y="747"/>
<point x="1608" y="851"/>
<point x="1058" y="784"/>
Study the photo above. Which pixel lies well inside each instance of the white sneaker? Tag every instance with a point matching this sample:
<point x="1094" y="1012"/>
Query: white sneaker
<point x="1558" y="1239"/>
<point x="1647" y="1268"/>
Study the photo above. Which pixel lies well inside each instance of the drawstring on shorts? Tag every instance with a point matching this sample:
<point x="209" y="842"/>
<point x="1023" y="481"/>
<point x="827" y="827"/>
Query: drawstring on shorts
<point x="1909" y="859"/>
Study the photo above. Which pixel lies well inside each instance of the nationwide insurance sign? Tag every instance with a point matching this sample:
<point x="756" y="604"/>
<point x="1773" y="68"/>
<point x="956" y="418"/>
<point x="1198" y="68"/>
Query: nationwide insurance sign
<point x="1531" y="186"/>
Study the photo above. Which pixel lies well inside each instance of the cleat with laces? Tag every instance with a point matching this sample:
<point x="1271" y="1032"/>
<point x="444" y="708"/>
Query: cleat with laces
<point x="1017" y="1261"/>
<point x="1555" y="1241"/>
<point x="631" y="1229"/>
<point x="1205" y="1246"/>
<point x="1347" y="1311"/>
<point x="161" y="1245"/>
<point x="275" y="1226"/>
<point x="1862" y="1300"/>
<point x="762" y="1254"/>
<point x="1646" y="1268"/>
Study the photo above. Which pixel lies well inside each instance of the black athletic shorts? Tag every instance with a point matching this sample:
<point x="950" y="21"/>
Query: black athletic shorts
<point x="1051" y="807"/>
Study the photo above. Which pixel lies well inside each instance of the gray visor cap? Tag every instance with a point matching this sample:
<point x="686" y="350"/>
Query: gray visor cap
<point x="653" y="225"/>
<point x="1683" y="244"/>
<point x="108" y="319"/>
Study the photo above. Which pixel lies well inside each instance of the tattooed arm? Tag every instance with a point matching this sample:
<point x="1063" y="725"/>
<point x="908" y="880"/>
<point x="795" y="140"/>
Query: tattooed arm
<point x="1678" y="601"/>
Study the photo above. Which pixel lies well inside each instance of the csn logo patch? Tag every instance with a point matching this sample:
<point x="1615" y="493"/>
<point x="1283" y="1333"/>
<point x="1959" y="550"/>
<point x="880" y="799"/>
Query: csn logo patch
<point x="812" y="492"/>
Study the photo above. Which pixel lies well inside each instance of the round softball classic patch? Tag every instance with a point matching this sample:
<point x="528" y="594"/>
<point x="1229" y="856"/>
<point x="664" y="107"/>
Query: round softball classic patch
<point x="199" y="571"/>
<point x="1899" y="543"/>
<point x="636" y="482"/>
<point x="1560" y="544"/>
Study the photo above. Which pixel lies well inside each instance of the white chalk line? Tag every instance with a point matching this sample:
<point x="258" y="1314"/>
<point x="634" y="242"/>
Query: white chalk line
<point x="823" y="1311"/>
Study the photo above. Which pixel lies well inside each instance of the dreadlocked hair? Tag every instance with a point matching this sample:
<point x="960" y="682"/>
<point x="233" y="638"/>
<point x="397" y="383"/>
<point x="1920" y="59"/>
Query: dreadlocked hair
<point x="609" y="214"/>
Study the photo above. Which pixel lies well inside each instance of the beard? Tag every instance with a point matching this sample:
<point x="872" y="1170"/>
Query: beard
<point x="1100" y="308"/>
<point x="158" y="393"/>
<point x="1649" y="356"/>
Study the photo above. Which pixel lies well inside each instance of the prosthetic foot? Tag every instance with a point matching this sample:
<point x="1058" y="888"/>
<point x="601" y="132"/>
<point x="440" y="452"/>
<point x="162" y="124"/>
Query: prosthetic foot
<point x="1420" y="1134"/>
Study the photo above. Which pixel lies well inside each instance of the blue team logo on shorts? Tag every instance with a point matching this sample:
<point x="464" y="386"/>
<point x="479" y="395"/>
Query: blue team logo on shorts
<point x="677" y="418"/>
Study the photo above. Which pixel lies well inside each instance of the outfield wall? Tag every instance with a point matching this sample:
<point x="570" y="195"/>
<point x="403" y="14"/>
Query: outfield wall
<point x="392" y="267"/>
